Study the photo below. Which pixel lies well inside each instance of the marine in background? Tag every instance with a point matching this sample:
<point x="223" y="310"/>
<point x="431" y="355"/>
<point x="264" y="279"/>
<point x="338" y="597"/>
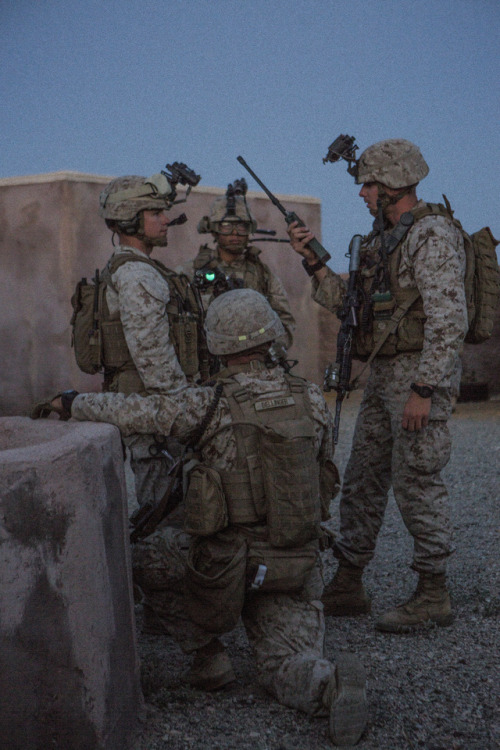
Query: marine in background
<point x="262" y="482"/>
<point x="414" y="259"/>
<point x="233" y="262"/>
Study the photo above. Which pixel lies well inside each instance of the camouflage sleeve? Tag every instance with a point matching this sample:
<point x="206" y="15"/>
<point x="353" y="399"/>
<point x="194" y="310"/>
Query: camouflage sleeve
<point x="175" y="415"/>
<point x="278" y="299"/>
<point x="142" y="298"/>
<point x="436" y="258"/>
<point x="323" y="423"/>
<point x="329" y="292"/>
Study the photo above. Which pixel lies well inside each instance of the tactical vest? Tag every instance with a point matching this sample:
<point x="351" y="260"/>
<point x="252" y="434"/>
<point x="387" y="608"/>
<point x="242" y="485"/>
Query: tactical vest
<point x="256" y="274"/>
<point x="102" y="345"/>
<point x="276" y="477"/>
<point x="481" y="283"/>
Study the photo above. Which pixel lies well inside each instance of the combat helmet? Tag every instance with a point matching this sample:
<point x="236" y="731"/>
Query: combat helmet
<point x="240" y="319"/>
<point x="124" y="197"/>
<point x="227" y="208"/>
<point x="396" y="163"/>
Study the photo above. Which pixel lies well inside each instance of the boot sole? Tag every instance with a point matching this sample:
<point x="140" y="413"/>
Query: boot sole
<point x="349" y="709"/>
<point x="441" y="622"/>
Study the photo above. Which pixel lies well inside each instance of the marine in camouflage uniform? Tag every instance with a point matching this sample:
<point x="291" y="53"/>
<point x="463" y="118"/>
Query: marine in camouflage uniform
<point x="138" y="297"/>
<point x="401" y="438"/>
<point x="284" y="622"/>
<point x="238" y="261"/>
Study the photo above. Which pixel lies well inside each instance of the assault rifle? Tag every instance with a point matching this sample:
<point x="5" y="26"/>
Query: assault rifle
<point x="338" y="374"/>
<point x="290" y="216"/>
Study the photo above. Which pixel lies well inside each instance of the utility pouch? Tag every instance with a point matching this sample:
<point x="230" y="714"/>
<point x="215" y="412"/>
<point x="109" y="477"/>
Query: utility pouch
<point x="185" y="335"/>
<point x="215" y="579"/>
<point x="115" y="350"/>
<point x="286" y="569"/>
<point x="85" y="323"/>
<point x="291" y="482"/>
<point x="383" y="304"/>
<point x="206" y="508"/>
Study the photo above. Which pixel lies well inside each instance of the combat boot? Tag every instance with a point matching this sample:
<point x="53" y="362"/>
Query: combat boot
<point x="345" y="595"/>
<point x="346" y="698"/>
<point x="429" y="605"/>
<point x="211" y="668"/>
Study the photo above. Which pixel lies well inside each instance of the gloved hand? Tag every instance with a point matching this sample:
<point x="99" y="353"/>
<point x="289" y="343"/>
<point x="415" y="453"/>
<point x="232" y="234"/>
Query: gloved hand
<point x="60" y="404"/>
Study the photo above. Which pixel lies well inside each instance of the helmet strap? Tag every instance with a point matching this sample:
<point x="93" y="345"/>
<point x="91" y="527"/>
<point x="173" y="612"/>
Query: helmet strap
<point x="389" y="200"/>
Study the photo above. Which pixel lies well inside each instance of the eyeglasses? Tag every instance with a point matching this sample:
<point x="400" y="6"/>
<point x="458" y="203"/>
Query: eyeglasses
<point x="228" y="227"/>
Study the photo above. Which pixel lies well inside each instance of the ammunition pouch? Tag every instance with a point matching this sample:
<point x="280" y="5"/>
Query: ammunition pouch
<point x="206" y="510"/>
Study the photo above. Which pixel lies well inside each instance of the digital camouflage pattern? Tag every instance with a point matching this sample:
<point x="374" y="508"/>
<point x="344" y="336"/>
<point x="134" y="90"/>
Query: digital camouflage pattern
<point x="285" y="630"/>
<point x="178" y="415"/>
<point x="139" y="299"/>
<point x="240" y="319"/>
<point x="113" y="208"/>
<point x="383" y="454"/>
<point x="218" y="212"/>
<point x="244" y="269"/>
<point x="396" y="163"/>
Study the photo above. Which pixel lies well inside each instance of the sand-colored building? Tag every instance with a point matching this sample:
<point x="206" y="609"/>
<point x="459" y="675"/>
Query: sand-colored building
<point x="51" y="235"/>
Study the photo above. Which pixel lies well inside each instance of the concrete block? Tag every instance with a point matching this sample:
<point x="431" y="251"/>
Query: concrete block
<point x="69" y="670"/>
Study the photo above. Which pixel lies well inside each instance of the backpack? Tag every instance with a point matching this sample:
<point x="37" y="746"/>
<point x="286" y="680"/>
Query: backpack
<point x="482" y="274"/>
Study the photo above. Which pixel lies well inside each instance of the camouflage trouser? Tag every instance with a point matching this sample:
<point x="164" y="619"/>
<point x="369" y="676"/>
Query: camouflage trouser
<point x="385" y="455"/>
<point x="286" y="631"/>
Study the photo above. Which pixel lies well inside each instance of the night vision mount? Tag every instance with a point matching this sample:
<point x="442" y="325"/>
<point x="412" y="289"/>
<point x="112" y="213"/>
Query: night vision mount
<point x="343" y="147"/>
<point x="180" y="173"/>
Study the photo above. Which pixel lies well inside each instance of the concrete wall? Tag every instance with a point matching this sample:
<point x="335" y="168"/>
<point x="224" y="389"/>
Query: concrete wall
<point x="69" y="670"/>
<point x="51" y="235"/>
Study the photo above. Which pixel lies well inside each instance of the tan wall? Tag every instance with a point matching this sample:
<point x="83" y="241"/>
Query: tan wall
<point x="51" y="235"/>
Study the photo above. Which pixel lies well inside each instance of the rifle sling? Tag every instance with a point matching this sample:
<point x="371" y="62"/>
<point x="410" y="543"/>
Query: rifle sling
<point x="392" y="323"/>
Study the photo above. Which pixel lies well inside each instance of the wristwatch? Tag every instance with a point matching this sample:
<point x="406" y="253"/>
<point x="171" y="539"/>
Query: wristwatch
<point x="311" y="270"/>
<point x="424" y="391"/>
<point x="67" y="398"/>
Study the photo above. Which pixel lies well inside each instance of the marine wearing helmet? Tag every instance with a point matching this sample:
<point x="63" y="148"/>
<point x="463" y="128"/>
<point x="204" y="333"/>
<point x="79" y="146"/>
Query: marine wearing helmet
<point x="239" y="320"/>
<point x="123" y="201"/>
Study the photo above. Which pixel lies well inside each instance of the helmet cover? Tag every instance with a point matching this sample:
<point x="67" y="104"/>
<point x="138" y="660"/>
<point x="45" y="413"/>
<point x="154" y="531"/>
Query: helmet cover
<point x="240" y="319"/>
<point x="396" y="163"/>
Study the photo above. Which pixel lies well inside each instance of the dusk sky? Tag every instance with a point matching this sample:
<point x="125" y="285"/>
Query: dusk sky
<point x="125" y="86"/>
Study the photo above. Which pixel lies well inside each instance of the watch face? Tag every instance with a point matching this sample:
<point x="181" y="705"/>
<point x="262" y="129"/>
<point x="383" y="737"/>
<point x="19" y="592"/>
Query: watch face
<point x="424" y="391"/>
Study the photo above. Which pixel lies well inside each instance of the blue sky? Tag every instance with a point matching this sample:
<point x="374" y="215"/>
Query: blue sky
<point x="123" y="86"/>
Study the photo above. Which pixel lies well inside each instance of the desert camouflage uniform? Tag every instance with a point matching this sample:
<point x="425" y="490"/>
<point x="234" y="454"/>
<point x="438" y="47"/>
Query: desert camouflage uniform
<point x="286" y="631"/>
<point x="139" y="300"/>
<point x="383" y="454"/>
<point x="241" y="268"/>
